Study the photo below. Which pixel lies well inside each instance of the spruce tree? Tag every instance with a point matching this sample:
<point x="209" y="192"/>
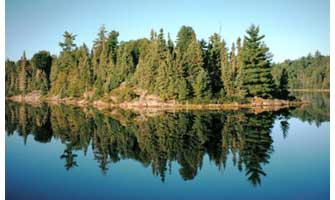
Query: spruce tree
<point x="112" y="44"/>
<point x="233" y="69"/>
<point x="68" y="44"/>
<point x="213" y="63"/>
<point x="225" y="72"/>
<point x="11" y="76"/>
<point x="283" y="85"/>
<point x="202" y="89"/>
<point x="184" y="38"/>
<point x="23" y="74"/>
<point x="193" y="63"/>
<point x="170" y="44"/>
<point x="98" y="46"/>
<point x="64" y="69"/>
<point x="241" y="92"/>
<point x="257" y="65"/>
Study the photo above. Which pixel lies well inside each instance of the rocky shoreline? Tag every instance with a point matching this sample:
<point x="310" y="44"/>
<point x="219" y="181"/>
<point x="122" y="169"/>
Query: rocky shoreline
<point x="155" y="104"/>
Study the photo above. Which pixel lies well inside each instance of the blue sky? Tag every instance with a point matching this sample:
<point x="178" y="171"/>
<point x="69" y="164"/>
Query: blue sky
<point x="293" y="28"/>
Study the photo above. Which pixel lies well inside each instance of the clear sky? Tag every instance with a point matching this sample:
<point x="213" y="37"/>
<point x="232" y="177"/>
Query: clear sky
<point x="293" y="28"/>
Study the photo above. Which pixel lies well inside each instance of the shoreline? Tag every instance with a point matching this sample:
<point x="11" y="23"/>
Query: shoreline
<point x="309" y="90"/>
<point x="255" y="104"/>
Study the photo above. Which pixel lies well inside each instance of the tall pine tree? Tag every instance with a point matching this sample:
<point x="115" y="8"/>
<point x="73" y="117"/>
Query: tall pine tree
<point x="257" y="65"/>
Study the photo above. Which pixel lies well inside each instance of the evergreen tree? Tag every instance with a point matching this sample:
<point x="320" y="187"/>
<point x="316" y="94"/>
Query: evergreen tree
<point x="68" y="44"/>
<point x="41" y="62"/>
<point x="190" y="70"/>
<point x="112" y="44"/>
<point x="225" y="72"/>
<point x="85" y="69"/>
<point x="283" y="85"/>
<point x="213" y="64"/>
<point x="233" y="69"/>
<point x="193" y="63"/>
<point x="307" y="72"/>
<point x="202" y="90"/>
<point x="64" y="74"/>
<point x="170" y="44"/>
<point x="241" y="92"/>
<point x="184" y="38"/>
<point x="23" y="74"/>
<point x="257" y="67"/>
<point x="98" y="45"/>
<point x="11" y="76"/>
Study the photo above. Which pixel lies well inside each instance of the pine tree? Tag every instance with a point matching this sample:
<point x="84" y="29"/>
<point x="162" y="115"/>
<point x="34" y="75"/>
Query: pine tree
<point x="64" y="69"/>
<point x="213" y="64"/>
<point x="11" y="76"/>
<point x="241" y="92"/>
<point x="112" y="44"/>
<point x="98" y="46"/>
<point x="193" y="63"/>
<point x="257" y="66"/>
<point x="202" y="90"/>
<point x="85" y="69"/>
<point x="233" y="69"/>
<point x="23" y="74"/>
<point x="170" y="44"/>
<point x="184" y="38"/>
<point x="225" y="72"/>
<point x="68" y="44"/>
<point x="41" y="63"/>
<point x="163" y="71"/>
<point x="283" y="85"/>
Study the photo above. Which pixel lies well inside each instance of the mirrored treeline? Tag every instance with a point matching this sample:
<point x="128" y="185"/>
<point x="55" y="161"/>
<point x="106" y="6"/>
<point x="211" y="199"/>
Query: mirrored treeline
<point x="154" y="139"/>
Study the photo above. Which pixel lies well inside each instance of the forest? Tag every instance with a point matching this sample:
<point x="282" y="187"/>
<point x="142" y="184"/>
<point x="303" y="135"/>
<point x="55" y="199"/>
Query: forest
<point x="307" y="72"/>
<point x="188" y="70"/>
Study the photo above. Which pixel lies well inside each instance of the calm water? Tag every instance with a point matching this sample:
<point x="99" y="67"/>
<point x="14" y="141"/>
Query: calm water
<point x="63" y="152"/>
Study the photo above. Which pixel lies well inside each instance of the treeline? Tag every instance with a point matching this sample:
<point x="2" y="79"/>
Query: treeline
<point x="307" y="72"/>
<point x="25" y="75"/>
<point x="156" y="142"/>
<point x="187" y="70"/>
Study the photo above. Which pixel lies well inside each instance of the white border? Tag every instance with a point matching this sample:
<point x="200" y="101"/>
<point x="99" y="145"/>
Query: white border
<point x="2" y="107"/>
<point x="332" y="128"/>
<point x="332" y="99"/>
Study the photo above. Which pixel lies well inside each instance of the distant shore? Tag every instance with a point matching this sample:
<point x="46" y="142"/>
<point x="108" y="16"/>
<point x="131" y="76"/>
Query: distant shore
<point x="309" y="90"/>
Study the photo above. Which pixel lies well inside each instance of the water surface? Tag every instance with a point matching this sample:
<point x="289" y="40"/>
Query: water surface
<point x="64" y="152"/>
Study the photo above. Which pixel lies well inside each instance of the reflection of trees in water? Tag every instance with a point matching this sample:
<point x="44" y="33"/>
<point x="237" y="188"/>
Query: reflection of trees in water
<point x="157" y="141"/>
<point x="317" y="111"/>
<point x="69" y="157"/>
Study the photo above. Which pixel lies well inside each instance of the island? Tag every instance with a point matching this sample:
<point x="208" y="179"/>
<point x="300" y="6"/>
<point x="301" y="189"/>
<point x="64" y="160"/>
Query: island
<point x="160" y="73"/>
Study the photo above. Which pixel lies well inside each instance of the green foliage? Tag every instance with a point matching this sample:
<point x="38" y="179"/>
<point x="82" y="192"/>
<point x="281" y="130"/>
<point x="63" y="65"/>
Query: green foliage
<point x="225" y="72"/>
<point x="213" y="64"/>
<point x="283" y="92"/>
<point x="27" y="76"/>
<point x="241" y="91"/>
<point x="188" y="71"/>
<point x="184" y="38"/>
<point x="202" y="89"/>
<point x="42" y="60"/>
<point x="257" y="67"/>
<point x="307" y="72"/>
<point x="124" y="94"/>
<point x="68" y="44"/>
<point x="193" y="64"/>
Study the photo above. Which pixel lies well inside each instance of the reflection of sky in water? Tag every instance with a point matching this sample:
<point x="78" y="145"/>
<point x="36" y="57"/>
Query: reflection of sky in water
<point x="298" y="168"/>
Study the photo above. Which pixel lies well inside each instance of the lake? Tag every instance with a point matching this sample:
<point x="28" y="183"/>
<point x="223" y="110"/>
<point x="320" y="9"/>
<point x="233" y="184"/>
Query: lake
<point x="66" y="152"/>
